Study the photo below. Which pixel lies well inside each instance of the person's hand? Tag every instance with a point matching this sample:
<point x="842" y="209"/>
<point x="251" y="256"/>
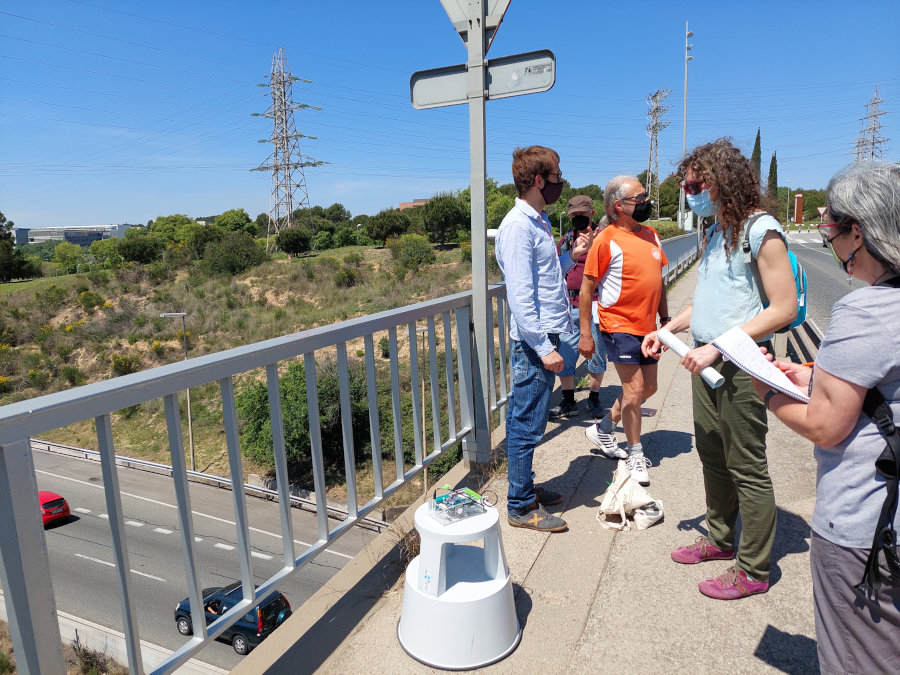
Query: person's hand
<point x="651" y="345"/>
<point x="697" y="359"/>
<point x="797" y="373"/>
<point x="586" y="346"/>
<point x="553" y="361"/>
<point x="583" y="243"/>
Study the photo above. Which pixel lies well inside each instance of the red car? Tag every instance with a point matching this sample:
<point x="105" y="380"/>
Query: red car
<point x="53" y="507"/>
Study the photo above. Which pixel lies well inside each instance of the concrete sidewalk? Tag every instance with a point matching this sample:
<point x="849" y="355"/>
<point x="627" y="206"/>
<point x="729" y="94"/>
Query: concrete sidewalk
<point x="591" y="599"/>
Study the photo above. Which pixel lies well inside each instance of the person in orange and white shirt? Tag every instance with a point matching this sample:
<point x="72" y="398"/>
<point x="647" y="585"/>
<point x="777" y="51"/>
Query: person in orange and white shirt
<point x="625" y="262"/>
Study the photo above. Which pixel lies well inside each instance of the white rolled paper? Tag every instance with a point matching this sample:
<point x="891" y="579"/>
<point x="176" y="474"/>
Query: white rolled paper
<point x="710" y="375"/>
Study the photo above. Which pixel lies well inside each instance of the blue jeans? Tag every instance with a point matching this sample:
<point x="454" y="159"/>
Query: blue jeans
<point x="526" y="421"/>
<point x="568" y="349"/>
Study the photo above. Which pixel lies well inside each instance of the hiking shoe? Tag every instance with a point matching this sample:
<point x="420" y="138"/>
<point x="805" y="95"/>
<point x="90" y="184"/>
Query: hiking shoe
<point x="608" y="443"/>
<point x="595" y="410"/>
<point x="547" y="497"/>
<point x="637" y="465"/>
<point x="564" y="409"/>
<point x="536" y="518"/>
<point x="700" y="551"/>
<point x="732" y="585"/>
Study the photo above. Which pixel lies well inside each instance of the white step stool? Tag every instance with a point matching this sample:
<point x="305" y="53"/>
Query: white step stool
<point x="458" y="608"/>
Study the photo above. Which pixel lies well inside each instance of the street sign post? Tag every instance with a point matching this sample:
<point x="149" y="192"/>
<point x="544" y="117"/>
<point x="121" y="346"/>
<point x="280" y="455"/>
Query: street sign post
<point x="477" y="80"/>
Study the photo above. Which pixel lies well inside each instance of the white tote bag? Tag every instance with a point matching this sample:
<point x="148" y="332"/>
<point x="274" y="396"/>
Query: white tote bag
<point x="626" y="497"/>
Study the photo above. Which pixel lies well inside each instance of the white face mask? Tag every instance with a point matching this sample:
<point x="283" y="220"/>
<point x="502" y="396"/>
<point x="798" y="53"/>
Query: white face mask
<point x="702" y="204"/>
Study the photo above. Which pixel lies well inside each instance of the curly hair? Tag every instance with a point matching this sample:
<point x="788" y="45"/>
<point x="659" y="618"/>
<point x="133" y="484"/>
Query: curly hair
<point x="722" y="164"/>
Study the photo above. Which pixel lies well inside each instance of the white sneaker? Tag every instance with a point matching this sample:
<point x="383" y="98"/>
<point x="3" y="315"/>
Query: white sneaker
<point x="637" y="465"/>
<point x="608" y="443"/>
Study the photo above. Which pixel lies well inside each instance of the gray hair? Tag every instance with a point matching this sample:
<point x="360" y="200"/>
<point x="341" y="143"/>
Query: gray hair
<point x="615" y="191"/>
<point x="868" y="194"/>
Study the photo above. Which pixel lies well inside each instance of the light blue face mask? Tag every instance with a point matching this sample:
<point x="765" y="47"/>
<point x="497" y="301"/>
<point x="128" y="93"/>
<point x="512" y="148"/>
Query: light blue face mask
<point x="702" y="205"/>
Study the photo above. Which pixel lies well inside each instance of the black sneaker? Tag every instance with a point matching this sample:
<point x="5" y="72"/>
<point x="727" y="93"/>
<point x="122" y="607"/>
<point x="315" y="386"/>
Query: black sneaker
<point x="564" y="409"/>
<point x="595" y="410"/>
<point x="547" y="497"/>
<point x="536" y="518"/>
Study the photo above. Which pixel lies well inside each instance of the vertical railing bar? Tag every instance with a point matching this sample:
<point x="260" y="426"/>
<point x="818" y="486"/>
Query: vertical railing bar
<point x="242" y="526"/>
<point x="25" y="565"/>
<point x="347" y="431"/>
<point x="315" y="444"/>
<point x="448" y="367"/>
<point x="502" y="338"/>
<point x="416" y="395"/>
<point x="119" y="544"/>
<point x="282" y="478"/>
<point x="435" y="385"/>
<point x="492" y="378"/>
<point x="185" y="522"/>
<point x="395" y="404"/>
<point x="374" y="421"/>
<point x="464" y="365"/>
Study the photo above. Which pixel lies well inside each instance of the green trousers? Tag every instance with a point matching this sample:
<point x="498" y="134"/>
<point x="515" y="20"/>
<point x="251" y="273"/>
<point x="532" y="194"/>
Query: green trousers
<point x="730" y="430"/>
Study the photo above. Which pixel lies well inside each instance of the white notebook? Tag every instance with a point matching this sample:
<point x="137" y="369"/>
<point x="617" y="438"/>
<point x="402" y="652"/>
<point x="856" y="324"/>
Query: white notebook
<point x="740" y="348"/>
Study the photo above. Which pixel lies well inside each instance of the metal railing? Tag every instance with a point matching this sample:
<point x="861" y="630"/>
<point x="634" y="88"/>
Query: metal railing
<point x="24" y="563"/>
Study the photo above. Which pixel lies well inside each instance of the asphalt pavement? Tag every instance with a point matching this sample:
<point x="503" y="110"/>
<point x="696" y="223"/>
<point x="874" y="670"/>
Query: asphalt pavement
<point x="590" y="599"/>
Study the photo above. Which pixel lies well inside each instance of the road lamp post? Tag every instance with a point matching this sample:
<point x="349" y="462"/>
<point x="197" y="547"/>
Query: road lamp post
<point x="358" y="225"/>
<point x="182" y="315"/>
<point x="687" y="47"/>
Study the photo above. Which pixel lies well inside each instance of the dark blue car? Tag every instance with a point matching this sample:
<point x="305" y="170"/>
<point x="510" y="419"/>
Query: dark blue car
<point x="246" y="632"/>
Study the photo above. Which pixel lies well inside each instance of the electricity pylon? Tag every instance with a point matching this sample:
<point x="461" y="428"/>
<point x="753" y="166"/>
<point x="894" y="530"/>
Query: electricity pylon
<point x="870" y="141"/>
<point x="286" y="161"/>
<point x="657" y="124"/>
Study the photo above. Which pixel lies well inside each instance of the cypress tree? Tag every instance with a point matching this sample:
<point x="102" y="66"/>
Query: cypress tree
<point x="772" y="189"/>
<point x="756" y="157"/>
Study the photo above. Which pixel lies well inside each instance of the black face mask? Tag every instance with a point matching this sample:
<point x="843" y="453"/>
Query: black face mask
<point x="580" y="222"/>
<point x="642" y="211"/>
<point x="551" y="191"/>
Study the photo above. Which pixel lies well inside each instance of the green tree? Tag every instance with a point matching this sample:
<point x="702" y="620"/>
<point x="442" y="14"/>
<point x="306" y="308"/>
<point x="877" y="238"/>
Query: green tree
<point x="68" y="255"/>
<point x="443" y="215"/>
<point x="262" y="225"/>
<point x="498" y="205"/>
<point x="293" y="241"/>
<point x="7" y="257"/>
<point x="772" y="186"/>
<point x="164" y="227"/>
<point x="105" y="251"/>
<point x="756" y="157"/>
<point x="198" y="236"/>
<point x="233" y="254"/>
<point x="140" y="247"/>
<point x="236" y="220"/>
<point x="509" y="189"/>
<point x="386" y="224"/>
<point x="412" y="250"/>
<point x="668" y="197"/>
<point x="337" y="214"/>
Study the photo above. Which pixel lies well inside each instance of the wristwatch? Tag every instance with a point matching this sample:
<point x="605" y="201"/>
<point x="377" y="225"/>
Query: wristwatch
<point x="768" y="397"/>
<point x="664" y="319"/>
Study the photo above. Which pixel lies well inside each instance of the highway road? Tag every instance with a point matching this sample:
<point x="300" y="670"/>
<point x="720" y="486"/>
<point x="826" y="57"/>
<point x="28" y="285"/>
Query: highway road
<point x="81" y="557"/>
<point x="827" y="283"/>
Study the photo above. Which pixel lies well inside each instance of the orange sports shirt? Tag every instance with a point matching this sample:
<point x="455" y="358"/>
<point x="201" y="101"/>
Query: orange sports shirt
<point x="628" y="266"/>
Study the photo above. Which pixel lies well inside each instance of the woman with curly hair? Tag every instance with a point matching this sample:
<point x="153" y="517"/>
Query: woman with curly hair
<point x="730" y="422"/>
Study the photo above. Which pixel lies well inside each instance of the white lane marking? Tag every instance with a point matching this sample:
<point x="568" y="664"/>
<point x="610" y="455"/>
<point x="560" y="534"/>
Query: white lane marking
<point x="80" y="510"/>
<point x="109" y="564"/>
<point x="134" y="523"/>
<point x="196" y="513"/>
<point x="104" y="516"/>
<point x="261" y="556"/>
<point x="162" y="530"/>
<point x="224" y="547"/>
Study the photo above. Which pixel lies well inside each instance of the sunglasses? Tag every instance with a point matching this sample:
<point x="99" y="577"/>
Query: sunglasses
<point x="828" y="226"/>
<point x="694" y="188"/>
<point x="637" y="198"/>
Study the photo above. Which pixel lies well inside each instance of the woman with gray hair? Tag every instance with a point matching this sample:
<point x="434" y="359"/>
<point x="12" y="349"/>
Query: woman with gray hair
<point x="857" y="623"/>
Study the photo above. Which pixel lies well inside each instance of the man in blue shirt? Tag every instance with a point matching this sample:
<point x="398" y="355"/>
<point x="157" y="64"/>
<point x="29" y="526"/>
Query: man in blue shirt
<point x="539" y="308"/>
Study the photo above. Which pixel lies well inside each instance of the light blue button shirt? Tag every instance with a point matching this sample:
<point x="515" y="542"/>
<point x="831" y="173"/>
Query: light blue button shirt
<point x="535" y="277"/>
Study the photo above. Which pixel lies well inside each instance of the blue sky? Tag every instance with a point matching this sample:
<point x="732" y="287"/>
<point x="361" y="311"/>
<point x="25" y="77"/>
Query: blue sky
<point x="115" y="112"/>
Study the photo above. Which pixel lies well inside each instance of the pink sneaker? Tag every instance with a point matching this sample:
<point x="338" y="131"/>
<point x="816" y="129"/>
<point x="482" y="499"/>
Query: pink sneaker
<point x="700" y="551"/>
<point x="732" y="585"/>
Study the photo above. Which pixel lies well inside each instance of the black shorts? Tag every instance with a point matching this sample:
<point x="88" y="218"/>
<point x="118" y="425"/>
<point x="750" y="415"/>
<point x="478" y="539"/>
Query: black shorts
<point x="626" y="348"/>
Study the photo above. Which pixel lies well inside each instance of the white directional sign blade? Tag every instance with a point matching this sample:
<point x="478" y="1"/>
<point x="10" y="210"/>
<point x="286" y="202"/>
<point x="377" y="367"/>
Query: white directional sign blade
<point x="457" y="10"/>
<point x="528" y="73"/>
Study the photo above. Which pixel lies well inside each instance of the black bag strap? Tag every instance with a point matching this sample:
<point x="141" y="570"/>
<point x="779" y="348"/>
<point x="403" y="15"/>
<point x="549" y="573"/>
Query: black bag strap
<point x="748" y="256"/>
<point x="888" y="465"/>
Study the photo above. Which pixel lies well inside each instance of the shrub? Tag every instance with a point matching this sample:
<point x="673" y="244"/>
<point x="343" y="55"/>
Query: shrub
<point x="385" y="346"/>
<point x="51" y="297"/>
<point x="465" y="251"/>
<point x="64" y="351"/>
<point x="158" y="348"/>
<point x="89" y="300"/>
<point x="98" y="277"/>
<point x="345" y="277"/>
<point x="353" y="258"/>
<point x="122" y="364"/>
<point x="324" y="241"/>
<point x="280" y="313"/>
<point x="38" y="377"/>
<point x="293" y="241"/>
<point x="5" y="385"/>
<point x="344" y="237"/>
<point x="236" y="252"/>
<point x="412" y="250"/>
<point x="73" y="375"/>
<point x="141" y="320"/>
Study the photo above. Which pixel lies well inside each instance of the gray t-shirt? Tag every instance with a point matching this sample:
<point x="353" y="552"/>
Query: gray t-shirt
<point x="861" y="346"/>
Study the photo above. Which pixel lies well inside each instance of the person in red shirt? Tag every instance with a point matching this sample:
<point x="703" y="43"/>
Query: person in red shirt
<point x="581" y="213"/>
<point x="625" y="263"/>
